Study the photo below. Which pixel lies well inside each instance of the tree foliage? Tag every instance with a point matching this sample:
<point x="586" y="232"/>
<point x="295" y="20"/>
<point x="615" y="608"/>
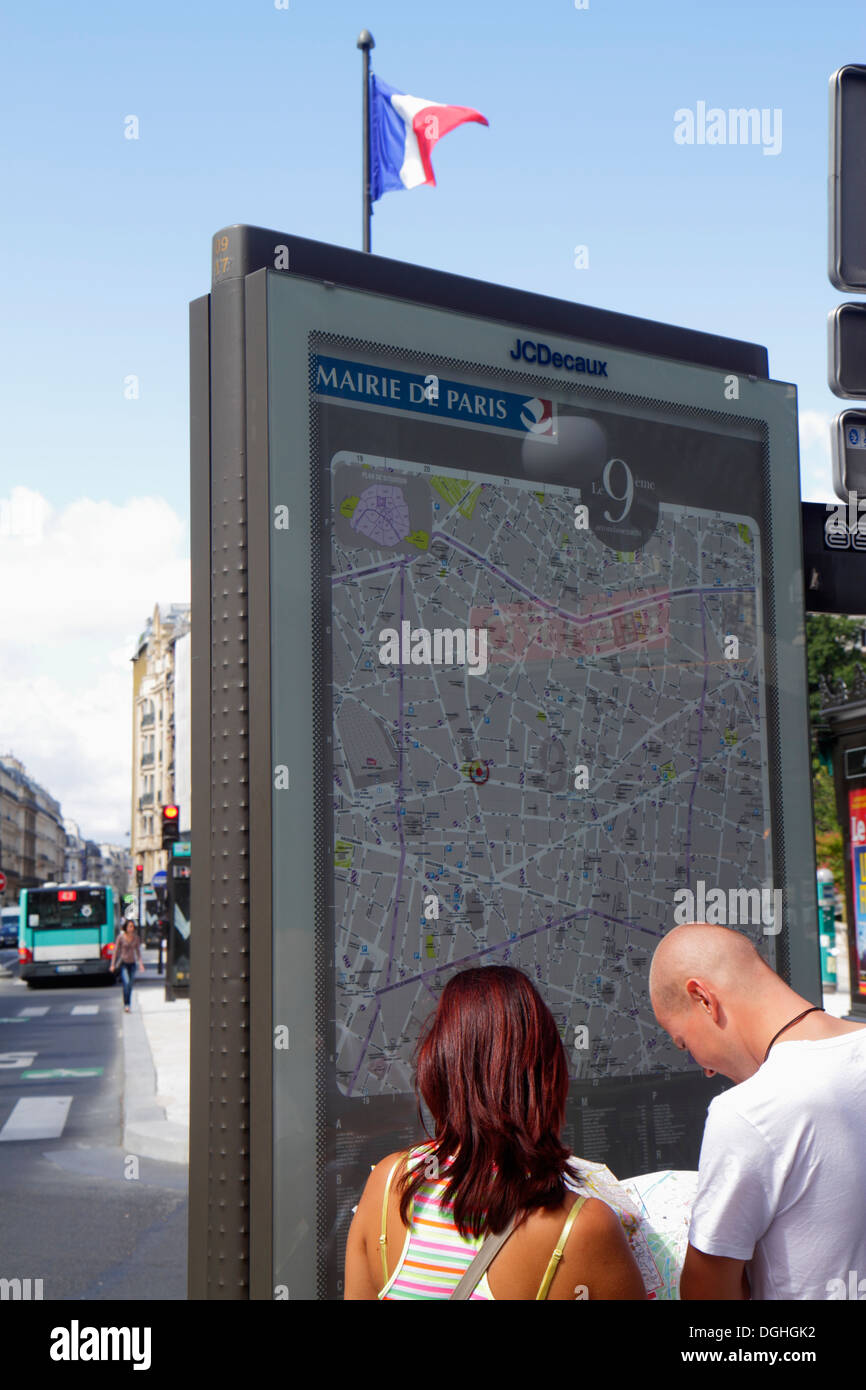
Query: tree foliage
<point x="832" y="651"/>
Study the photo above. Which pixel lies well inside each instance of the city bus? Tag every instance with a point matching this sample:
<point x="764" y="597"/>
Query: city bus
<point x="67" y="929"/>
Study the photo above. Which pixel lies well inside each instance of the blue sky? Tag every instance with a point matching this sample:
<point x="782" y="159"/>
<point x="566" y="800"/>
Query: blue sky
<point x="249" y="113"/>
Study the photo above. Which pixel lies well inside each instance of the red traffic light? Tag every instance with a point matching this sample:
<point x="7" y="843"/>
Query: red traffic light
<point x="170" y="826"/>
<point x="139" y="868"/>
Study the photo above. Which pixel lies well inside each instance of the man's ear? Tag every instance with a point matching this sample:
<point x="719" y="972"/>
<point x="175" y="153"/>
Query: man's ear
<point x="700" y="995"/>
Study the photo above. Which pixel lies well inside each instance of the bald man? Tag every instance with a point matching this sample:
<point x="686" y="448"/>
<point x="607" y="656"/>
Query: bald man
<point x="780" y="1210"/>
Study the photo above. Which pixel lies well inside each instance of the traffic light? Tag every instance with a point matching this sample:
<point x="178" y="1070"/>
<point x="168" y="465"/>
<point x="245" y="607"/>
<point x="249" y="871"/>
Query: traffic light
<point x="847" y="351"/>
<point x="170" y="826"/>
<point x="139" y="874"/>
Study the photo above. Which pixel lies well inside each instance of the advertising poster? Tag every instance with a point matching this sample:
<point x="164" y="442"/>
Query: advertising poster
<point x="857" y="820"/>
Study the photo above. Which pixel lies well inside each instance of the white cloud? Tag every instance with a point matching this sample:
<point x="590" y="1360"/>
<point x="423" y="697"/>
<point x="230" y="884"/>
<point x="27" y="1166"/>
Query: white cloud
<point x="77" y="586"/>
<point x="93" y="568"/>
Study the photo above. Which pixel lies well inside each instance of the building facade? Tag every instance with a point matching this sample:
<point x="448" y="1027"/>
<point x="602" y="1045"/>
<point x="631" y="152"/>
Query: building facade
<point x="75" y="855"/>
<point x="32" y="832"/>
<point x="153" y="733"/>
<point x="183" y="731"/>
<point x="85" y="861"/>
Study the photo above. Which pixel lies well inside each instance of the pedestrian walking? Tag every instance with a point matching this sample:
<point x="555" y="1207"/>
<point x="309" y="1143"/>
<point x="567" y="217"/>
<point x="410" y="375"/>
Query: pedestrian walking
<point x="127" y="955"/>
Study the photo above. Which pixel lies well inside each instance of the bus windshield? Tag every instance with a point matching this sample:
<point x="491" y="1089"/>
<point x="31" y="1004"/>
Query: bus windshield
<point x="66" y="907"/>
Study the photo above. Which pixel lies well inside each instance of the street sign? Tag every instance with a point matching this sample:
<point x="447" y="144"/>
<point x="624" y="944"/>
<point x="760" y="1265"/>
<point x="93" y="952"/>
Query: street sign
<point x="848" y="439"/>
<point x="846" y="351"/>
<point x="2" y="882"/>
<point x="159" y="879"/>
<point x="182" y="850"/>
<point x="847" y="184"/>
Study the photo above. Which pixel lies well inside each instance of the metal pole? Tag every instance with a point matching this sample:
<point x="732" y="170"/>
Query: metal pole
<point x="365" y="43"/>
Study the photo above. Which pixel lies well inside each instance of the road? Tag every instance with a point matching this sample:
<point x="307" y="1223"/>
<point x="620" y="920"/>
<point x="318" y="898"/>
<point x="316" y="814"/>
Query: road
<point x="76" y="1211"/>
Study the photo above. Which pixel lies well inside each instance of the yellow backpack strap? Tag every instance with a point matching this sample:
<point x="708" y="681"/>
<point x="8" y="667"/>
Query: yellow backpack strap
<point x="383" y="1238"/>
<point x="555" y="1258"/>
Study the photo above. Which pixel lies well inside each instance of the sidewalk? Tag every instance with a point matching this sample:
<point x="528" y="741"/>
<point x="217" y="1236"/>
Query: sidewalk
<point x="156" y="1070"/>
<point x="838" y="1001"/>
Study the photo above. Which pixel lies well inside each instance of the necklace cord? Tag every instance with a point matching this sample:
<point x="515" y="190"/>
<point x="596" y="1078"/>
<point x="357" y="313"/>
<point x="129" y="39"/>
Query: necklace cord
<point x="815" y="1009"/>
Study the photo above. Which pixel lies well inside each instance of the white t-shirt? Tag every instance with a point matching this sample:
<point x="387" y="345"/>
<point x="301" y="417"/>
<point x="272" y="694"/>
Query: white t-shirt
<point x="782" y="1171"/>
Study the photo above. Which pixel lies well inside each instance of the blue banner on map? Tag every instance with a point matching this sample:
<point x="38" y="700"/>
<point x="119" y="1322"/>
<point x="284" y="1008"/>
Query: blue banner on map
<point x="428" y="394"/>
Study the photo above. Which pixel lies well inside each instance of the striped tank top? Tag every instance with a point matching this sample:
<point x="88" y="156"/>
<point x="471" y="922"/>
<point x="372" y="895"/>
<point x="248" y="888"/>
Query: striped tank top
<point x="435" y="1256"/>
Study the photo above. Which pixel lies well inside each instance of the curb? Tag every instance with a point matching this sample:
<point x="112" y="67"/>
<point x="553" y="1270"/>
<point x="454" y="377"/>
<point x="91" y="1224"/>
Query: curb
<point x="146" y="1130"/>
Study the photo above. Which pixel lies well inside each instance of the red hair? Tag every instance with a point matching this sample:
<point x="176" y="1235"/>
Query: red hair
<point x="492" y="1071"/>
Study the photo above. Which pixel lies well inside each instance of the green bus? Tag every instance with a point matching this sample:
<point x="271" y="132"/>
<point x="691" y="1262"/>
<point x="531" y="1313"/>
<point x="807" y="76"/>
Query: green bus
<point x="67" y="929"/>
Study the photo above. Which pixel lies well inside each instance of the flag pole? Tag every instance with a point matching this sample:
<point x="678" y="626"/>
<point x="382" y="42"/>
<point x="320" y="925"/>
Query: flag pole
<point x="365" y="43"/>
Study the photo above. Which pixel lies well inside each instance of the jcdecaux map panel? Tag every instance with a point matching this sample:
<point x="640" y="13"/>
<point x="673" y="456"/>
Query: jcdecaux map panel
<point x="547" y="711"/>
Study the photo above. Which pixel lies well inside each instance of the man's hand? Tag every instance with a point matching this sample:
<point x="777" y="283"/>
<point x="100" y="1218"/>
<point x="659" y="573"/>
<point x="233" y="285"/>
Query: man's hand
<point x="712" y="1276"/>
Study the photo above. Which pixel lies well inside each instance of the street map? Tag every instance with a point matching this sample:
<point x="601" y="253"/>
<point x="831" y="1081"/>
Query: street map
<point x="534" y="797"/>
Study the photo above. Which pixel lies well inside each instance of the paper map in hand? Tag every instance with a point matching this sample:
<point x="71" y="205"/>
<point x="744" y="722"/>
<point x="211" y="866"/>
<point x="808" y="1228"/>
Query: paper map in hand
<point x="655" y="1210"/>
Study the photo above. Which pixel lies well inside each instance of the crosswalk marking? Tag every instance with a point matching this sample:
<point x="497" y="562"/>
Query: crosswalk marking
<point x="34" y="1011"/>
<point x="86" y="1009"/>
<point x="11" y="1060"/>
<point x="54" y="1073"/>
<point x="42" y="1117"/>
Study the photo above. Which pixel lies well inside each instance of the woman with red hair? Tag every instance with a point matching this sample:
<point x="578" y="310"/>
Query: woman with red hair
<point x="492" y="1071"/>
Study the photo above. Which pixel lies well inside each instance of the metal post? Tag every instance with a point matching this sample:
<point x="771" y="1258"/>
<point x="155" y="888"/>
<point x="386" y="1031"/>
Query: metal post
<point x="365" y="43"/>
<point x="220" y="1187"/>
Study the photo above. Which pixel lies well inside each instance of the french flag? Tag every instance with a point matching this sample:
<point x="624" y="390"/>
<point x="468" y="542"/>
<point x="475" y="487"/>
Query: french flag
<point x="403" y="131"/>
